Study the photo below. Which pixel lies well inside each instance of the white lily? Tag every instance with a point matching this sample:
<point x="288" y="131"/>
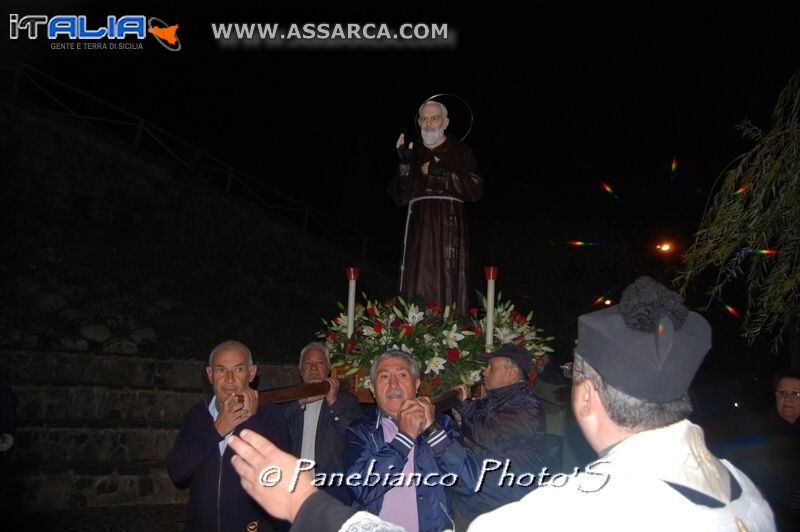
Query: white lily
<point x="414" y="315"/>
<point x="531" y="335"/>
<point x="452" y="337"/>
<point x="404" y="348"/>
<point x="505" y="335"/>
<point x="342" y="321"/>
<point x="369" y="331"/>
<point x="435" y="364"/>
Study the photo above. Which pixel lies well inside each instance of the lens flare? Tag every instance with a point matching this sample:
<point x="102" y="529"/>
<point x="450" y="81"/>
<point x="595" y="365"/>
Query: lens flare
<point x="581" y="243"/>
<point x="610" y="190"/>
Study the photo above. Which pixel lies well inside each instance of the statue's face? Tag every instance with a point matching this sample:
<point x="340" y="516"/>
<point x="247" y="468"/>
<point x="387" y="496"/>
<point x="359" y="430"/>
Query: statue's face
<point x="431" y="120"/>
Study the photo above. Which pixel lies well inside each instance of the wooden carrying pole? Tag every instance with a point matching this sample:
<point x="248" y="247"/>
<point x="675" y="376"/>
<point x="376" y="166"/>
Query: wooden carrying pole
<point x="296" y="392"/>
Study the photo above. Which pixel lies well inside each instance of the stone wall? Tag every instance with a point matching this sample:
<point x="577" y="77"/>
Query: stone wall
<point x="95" y="430"/>
<point x="118" y="274"/>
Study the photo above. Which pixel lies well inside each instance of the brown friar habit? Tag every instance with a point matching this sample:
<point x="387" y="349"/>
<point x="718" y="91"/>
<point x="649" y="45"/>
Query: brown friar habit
<point x="435" y="255"/>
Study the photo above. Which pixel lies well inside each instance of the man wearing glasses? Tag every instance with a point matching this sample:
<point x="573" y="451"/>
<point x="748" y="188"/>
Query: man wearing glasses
<point x="771" y="454"/>
<point x="435" y="179"/>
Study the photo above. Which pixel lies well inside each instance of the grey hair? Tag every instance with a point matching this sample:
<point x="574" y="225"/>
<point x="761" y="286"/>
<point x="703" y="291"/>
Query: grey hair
<point x="317" y="346"/>
<point x="635" y="414"/>
<point x="231" y="344"/>
<point x="510" y="364"/>
<point x="784" y="374"/>
<point x="433" y="102"/>
<point x="393" y="353"/>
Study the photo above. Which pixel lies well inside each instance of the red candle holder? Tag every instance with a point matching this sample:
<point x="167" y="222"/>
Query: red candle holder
<point x="352" y="273"/>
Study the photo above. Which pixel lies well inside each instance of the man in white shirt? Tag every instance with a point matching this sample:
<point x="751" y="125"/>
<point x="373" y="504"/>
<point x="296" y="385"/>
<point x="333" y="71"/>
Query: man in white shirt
<point x="633" y="366"/>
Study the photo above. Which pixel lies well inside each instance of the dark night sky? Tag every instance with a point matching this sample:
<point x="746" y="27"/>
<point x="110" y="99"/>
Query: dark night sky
<point x="562" y="98"/>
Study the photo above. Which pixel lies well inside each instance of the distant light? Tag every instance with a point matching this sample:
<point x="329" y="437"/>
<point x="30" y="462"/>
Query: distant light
<point x="736" y="405"/>
<point x="664" y="247"/>
<point x="604" y="299"/>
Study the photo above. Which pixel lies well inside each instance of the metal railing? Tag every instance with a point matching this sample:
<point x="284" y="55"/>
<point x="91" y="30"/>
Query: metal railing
<point x="34" y="86"/>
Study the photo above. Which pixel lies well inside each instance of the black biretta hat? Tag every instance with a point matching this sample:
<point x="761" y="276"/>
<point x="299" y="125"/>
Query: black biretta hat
<point x="649" y="346"/>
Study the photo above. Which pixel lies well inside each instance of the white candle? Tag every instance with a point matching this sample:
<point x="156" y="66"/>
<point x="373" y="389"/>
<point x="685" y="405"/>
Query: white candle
<point x="352" y="276"/>
<point x="490" y="272"/>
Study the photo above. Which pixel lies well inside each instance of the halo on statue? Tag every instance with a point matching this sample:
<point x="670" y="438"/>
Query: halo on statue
<point x="446" y="99"/>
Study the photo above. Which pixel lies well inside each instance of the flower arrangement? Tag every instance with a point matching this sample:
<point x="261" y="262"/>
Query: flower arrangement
<point x="445" y="345"/>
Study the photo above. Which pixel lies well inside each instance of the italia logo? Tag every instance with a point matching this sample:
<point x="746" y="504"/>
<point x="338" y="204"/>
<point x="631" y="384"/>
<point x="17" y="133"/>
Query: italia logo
<point x="76" y="27"/>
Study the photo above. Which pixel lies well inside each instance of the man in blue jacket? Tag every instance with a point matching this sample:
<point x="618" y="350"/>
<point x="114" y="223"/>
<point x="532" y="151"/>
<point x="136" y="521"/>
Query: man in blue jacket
<point x="405" y="455"/>
<point x="200" y="458"/>
<point x="316" y="427"/>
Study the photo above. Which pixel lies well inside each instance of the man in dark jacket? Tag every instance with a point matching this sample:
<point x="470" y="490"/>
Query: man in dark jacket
<point x="200" y="458"/>
<point x="316" y="427"/>
<point x="405" y="455"/>
<point x="504" y="429"/>
<point x="769" y="450"/>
